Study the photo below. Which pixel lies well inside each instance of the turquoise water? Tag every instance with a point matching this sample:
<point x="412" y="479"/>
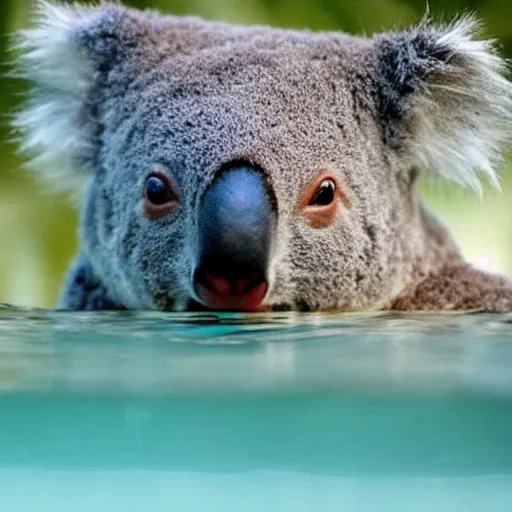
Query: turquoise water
<point x="154" y="412"/>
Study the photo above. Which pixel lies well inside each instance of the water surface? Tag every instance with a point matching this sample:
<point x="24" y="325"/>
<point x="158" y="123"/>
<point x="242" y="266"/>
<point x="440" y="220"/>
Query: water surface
<point x="376" y="412"/>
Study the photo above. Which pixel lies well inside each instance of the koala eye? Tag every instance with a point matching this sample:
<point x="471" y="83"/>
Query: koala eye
<point x="156" y="190"/>
<point x="325" y="194"/>
<point x="160" y="197"/>
<point x="320" y="200"/>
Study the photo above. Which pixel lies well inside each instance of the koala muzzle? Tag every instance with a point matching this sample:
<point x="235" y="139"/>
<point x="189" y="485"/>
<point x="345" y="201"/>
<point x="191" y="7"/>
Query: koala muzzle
<point x="237" y="221"/>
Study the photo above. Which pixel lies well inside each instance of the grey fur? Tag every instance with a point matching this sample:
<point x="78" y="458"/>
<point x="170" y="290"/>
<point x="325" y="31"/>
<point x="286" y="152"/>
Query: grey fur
<point x="118" y="92"/>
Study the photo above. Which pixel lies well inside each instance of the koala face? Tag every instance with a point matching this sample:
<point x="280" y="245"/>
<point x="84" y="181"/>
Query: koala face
<point x="283" y="133"/>
<point x="250" y="168"/>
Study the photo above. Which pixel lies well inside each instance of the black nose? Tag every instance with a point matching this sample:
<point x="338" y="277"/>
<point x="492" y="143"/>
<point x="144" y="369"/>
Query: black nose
<point x="237" y="219"/>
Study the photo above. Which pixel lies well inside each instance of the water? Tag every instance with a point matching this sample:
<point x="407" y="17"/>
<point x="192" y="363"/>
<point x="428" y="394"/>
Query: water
<point x="159" y="412"/>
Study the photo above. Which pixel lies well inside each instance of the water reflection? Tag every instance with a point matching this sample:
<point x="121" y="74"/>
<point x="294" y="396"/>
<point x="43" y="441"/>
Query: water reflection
<point x="206" y="352"/>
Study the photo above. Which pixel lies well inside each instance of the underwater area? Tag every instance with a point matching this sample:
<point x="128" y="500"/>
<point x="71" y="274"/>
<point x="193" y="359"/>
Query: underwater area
<point x="230" y="412"/>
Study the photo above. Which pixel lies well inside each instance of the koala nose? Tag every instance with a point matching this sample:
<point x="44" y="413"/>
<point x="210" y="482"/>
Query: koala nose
<point x="237" y="219"/>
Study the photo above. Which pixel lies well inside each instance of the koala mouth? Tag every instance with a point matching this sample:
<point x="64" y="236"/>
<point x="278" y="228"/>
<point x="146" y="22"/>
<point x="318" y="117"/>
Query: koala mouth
<point x="235" y="294"/>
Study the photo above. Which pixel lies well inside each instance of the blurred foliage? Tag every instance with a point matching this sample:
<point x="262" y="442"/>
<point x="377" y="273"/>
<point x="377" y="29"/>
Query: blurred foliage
<point x="38" y="229"/>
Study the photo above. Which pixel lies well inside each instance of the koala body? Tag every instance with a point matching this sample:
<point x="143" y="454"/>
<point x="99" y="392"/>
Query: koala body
<point x="252" y="168"/>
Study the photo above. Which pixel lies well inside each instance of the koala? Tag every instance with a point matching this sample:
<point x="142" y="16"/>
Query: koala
<point x="250" y="168"/>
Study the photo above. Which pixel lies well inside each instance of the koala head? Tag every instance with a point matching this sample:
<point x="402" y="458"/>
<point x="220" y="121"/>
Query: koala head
<point x="250" y="168"/>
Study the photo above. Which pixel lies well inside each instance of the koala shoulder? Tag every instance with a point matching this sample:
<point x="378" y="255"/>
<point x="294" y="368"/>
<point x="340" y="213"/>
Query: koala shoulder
<point x="449" y="282"/>
<point x="457" y="287"/>
<point x="83" y="291"/>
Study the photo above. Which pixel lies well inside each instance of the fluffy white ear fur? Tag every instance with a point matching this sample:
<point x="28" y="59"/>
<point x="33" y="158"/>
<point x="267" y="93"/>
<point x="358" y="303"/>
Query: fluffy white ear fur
<point x="462" y="120"/>
<point x="54" y="130"/>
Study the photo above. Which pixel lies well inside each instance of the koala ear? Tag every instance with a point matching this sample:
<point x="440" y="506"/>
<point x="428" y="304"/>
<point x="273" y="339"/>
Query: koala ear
<point x="65" y="56"/>
<point x="444" y="100"/>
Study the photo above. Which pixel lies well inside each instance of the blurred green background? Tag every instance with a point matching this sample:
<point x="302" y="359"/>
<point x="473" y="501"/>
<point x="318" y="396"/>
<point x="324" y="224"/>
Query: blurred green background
<point x="38" y="229"/>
